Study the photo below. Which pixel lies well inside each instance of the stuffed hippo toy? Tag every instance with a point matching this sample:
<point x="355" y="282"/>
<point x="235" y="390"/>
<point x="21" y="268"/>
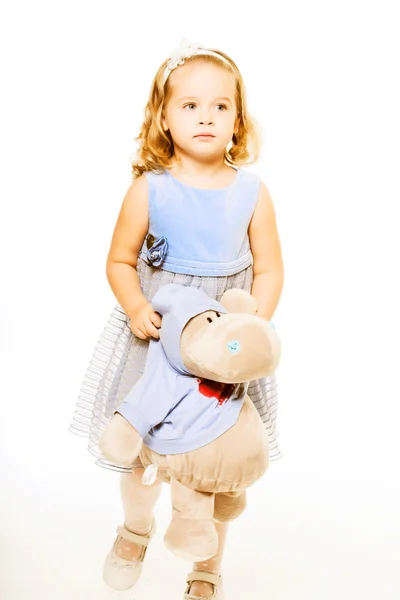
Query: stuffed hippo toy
<point x="189" y="417"/>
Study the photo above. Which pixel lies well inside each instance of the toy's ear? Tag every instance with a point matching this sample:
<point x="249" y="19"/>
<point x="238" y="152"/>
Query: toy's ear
<point x="239" y="301"/>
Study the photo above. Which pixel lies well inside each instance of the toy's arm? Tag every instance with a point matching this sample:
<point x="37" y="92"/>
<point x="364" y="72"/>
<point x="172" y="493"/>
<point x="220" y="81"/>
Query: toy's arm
<point x="120" y="443"/>
<point x="145" y="406"/>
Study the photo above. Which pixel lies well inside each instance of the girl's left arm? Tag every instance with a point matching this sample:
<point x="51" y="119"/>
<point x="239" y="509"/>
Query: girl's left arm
<point x="267" y="256"/>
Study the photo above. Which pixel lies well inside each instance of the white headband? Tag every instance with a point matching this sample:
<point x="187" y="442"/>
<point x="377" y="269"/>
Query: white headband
<point x="187" y="49"/>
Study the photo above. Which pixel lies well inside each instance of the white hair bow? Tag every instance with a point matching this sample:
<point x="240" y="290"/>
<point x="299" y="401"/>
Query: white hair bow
<point x="187" y="49"/>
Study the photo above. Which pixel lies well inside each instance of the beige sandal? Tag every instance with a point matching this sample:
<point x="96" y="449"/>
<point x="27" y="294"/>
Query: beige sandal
<point x="216" y="580"/>
<point x="122" y="574"/>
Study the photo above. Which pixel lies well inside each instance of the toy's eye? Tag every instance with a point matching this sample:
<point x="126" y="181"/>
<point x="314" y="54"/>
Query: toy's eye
<point x="209" y="319"/>
<point x="218" y="315"/>
<point x="234" y="347"/>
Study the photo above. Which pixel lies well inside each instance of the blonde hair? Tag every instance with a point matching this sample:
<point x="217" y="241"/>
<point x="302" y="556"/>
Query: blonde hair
<point x="156" y="147"/>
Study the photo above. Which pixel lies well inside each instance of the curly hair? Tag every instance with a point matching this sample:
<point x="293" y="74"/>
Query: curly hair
<point x="155" y="146"/>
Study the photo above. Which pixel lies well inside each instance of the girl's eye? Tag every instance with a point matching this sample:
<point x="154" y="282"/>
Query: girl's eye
<point x="192" y="105"/>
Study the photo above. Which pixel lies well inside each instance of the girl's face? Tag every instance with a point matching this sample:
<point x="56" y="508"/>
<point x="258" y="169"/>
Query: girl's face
<point x="201" y="113"/>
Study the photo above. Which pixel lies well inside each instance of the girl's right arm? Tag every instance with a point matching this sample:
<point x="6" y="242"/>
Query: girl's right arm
<point x="129" y="232"/>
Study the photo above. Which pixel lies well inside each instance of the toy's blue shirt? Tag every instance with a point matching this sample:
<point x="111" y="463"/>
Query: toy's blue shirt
<point x="172" y="410"/>
<point x="200" y="231"/>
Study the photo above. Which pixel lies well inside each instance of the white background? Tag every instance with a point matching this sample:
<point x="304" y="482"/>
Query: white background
<point x="323" y="81"/>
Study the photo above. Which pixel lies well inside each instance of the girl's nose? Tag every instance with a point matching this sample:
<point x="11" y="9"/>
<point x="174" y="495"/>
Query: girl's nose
<point x="205" y="120"/>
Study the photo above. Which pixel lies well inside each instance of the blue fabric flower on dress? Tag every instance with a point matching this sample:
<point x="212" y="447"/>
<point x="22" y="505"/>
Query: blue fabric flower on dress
<point x="157" y="249"/>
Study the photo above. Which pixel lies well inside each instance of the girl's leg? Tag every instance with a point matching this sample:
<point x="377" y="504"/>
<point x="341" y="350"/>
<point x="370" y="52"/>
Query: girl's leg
<point x="138" y="502"/>
<point x="123" y="564"/>
<point x="212" y="565"/>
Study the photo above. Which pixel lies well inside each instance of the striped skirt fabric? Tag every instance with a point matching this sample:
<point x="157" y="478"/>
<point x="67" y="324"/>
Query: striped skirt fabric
<point x="119" y="357"/>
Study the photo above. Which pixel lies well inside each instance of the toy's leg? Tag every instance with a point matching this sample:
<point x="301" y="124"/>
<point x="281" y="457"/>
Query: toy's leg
<point x="229" y="506"/>
<point x="191" y="533"/>
<point x="203" y="589"/>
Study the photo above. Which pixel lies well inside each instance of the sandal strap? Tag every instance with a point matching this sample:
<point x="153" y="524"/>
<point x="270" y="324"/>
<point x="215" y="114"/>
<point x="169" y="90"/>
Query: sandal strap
<point x="135" y="538"/>
<point x="203" y="576"/>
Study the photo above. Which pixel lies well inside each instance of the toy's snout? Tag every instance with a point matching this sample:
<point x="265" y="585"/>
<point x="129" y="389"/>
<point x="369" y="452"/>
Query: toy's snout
<point x="233" y="348"/>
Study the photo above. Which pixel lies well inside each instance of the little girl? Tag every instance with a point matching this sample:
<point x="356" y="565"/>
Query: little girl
<point x="192" y="216"/>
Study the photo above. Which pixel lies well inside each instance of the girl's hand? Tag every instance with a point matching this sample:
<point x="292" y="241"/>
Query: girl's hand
<point x="146" y="322"/>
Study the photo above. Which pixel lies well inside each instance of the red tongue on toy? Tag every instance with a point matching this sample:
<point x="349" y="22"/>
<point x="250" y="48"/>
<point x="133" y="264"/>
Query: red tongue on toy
<point x="215" y="389"/>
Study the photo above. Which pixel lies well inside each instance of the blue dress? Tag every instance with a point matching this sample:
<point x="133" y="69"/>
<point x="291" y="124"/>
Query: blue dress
<point x="196" y="237"/>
